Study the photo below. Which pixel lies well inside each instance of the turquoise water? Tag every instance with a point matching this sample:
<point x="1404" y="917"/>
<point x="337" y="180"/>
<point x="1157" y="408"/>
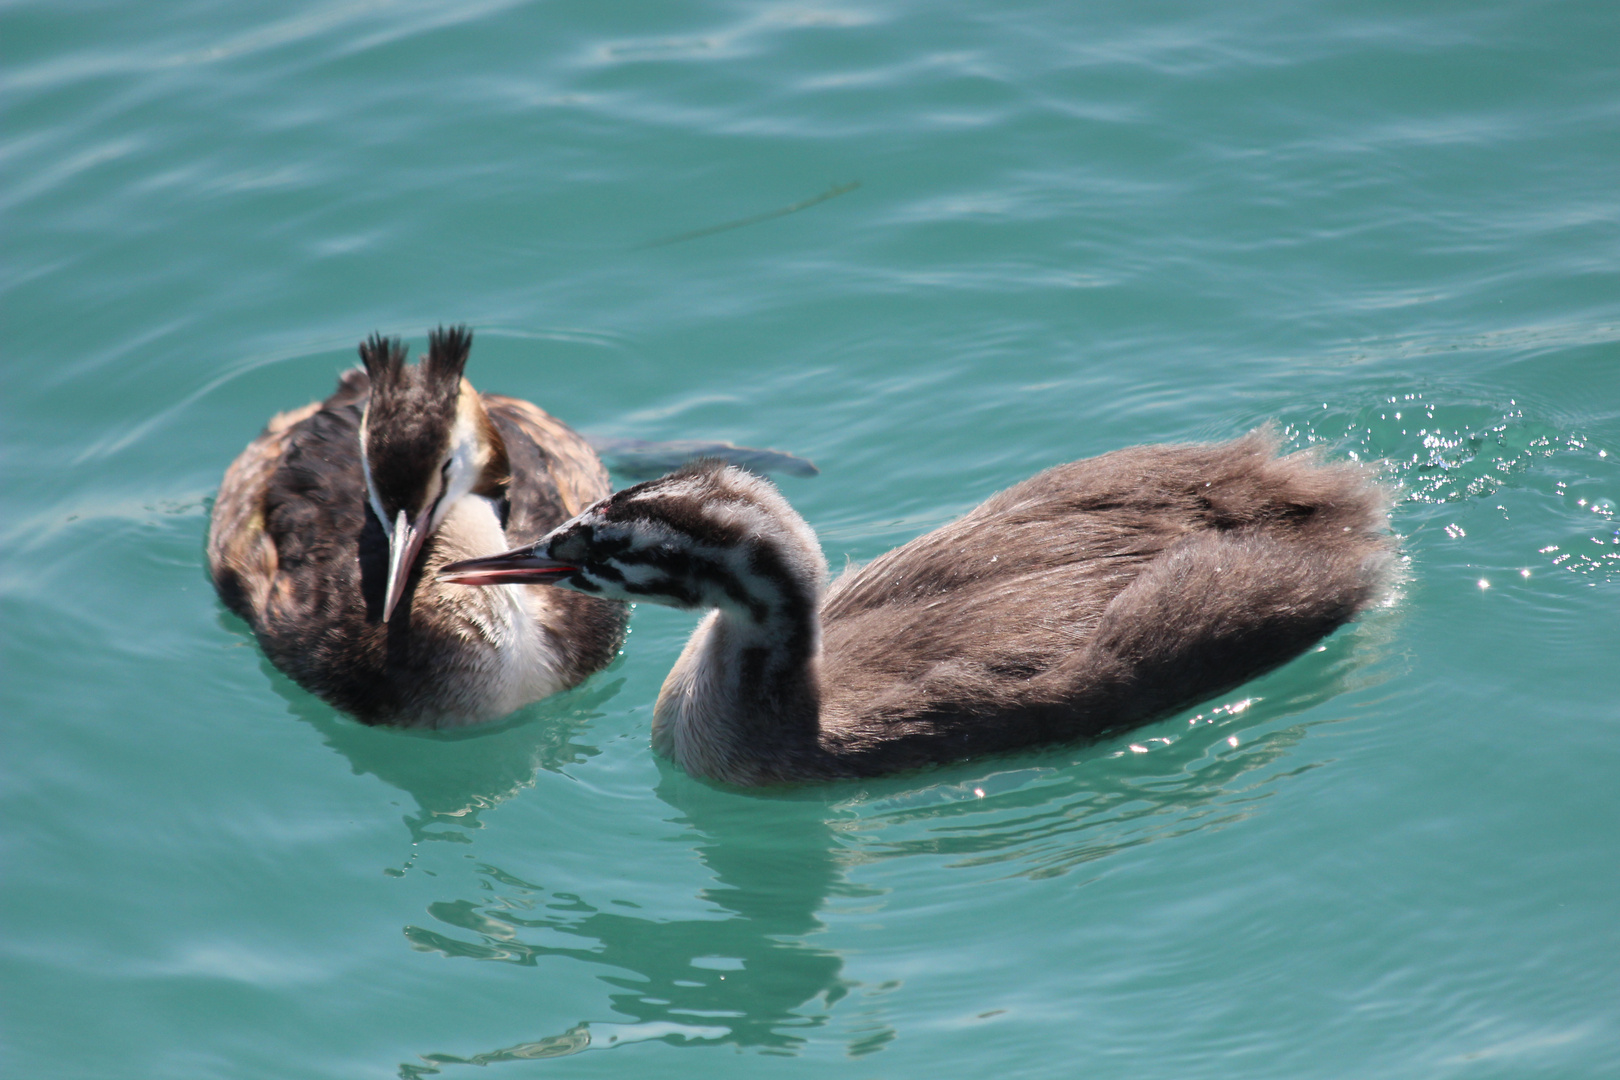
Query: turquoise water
<point x="1390" y="228"/>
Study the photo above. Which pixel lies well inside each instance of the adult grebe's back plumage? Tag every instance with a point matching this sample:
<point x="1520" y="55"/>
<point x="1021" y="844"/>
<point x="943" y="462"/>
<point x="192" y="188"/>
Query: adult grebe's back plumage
<point x="1097" y="595"/>
<point x="329" y="528"/>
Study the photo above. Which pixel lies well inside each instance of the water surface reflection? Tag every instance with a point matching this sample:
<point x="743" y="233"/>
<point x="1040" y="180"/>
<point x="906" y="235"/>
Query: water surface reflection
<point x="455" y="775"/>
<point x="743" y="977"/>
<point x="765" y="972"/>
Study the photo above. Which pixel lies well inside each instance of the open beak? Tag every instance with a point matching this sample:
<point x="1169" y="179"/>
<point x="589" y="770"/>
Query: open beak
<point x="518" y="567"/>
<point x="403" y="547"/>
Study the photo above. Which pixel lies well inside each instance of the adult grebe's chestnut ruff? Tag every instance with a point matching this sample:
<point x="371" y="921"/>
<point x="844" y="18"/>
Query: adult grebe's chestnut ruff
<point x="1098" y="595"/>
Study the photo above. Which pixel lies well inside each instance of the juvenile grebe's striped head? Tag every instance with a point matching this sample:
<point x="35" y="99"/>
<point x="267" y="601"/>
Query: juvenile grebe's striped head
<point x="425" y="442"/>
<point x="707" y="536"/>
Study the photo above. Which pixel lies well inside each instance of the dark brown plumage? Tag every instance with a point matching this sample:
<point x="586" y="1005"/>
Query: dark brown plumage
<point x="299" y="548"/>
<point x="1096" y="596"/>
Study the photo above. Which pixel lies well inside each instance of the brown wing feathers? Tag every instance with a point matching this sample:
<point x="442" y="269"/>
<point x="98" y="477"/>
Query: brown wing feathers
<point x="1121" y="588"/>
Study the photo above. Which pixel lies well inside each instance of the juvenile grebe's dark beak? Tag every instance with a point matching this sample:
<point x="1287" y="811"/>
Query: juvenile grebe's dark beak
<point x="403" y="547"/>
<point x="521" y="566"/>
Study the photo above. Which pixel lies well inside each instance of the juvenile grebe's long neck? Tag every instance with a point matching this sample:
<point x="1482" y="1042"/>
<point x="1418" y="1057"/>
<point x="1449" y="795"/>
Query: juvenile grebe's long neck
<point x="745" y="693"/>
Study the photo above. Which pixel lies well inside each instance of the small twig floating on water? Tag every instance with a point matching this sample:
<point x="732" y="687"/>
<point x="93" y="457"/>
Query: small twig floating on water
<point x="831" y="193"/>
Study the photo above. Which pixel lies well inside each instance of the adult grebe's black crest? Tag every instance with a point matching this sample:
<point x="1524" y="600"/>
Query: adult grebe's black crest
<point x="329" y="528"/>
<point x="1095" y="596"/>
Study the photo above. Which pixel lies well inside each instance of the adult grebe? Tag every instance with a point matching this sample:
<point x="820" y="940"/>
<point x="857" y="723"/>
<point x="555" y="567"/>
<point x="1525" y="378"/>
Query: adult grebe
<point x="1098" y="595"/>
<point x="329" y="527"/>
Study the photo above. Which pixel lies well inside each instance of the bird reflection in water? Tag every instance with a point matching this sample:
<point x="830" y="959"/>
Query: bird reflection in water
<point x="455" y="775"/>
<point x="748" y="978"/>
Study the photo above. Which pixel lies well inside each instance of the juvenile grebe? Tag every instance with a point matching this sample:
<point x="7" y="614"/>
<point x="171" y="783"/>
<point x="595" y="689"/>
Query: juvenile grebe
<point x="1095" y="596"/>
<point x="329" y="527"/>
